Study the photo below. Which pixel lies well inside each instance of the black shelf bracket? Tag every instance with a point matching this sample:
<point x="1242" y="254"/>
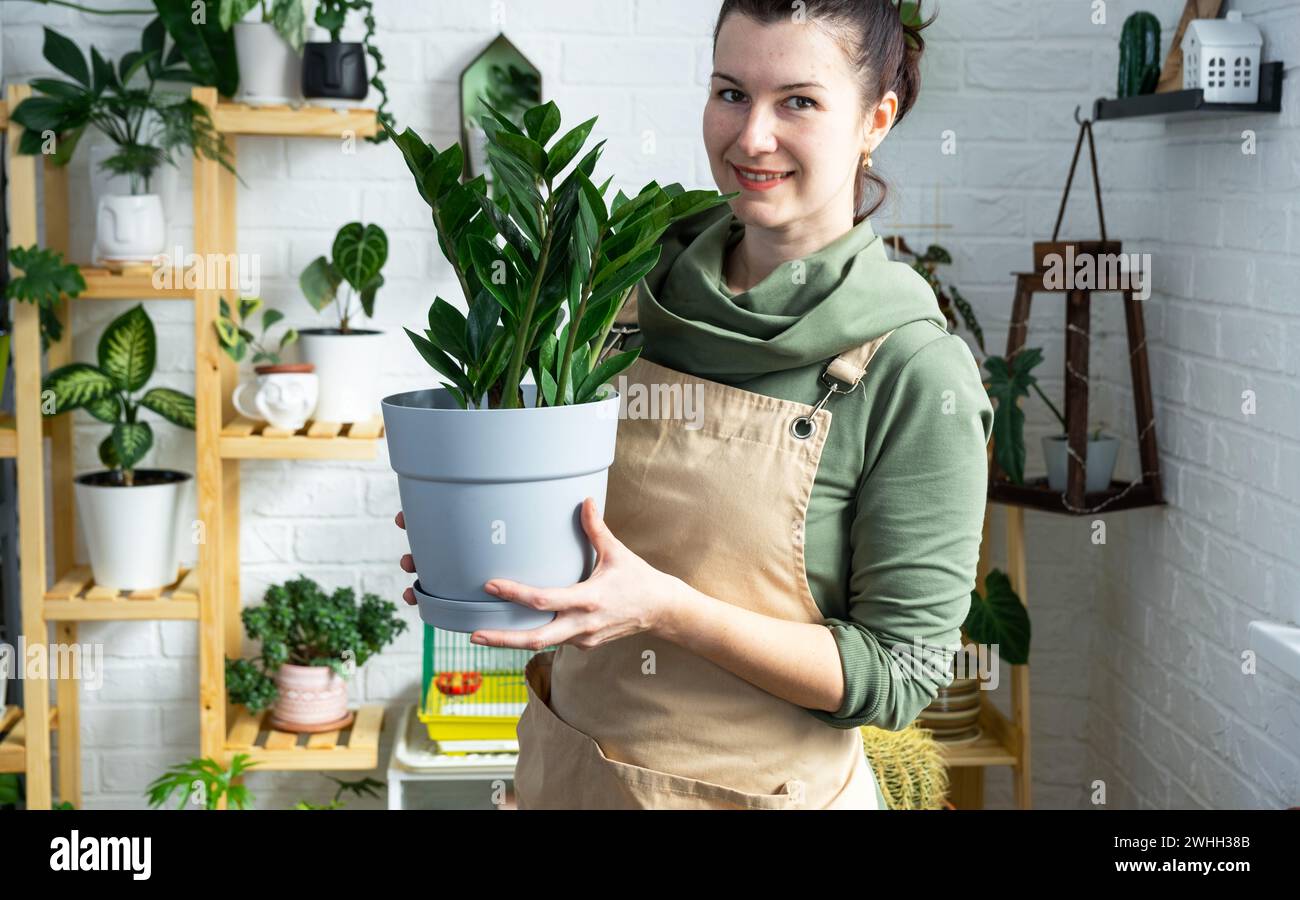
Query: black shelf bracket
<point x="1193" y="101"/>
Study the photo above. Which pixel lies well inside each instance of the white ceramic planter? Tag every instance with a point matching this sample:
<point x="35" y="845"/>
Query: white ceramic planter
<point x="270" y="73"/>
<point x="133" y="533"/>
<point x="130" y="228"/>
<point x="347" y="366"/>
<point x="496" y="493"/>
<point x="1100" y="465"/>
<point x="309" y="696"/>
<point x="284" y="395"/>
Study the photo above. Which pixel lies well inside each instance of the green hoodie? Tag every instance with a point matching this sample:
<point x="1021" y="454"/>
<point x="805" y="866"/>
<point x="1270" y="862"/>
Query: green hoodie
<point x="896" y="514"/>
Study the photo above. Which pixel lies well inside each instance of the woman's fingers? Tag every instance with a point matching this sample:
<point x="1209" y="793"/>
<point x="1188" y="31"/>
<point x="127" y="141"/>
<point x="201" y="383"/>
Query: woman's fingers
<point x="407" y="563"/>
<point x="535" y="597"/>
<point x="400" y="520"/>
<point x="409" y="596"/>
<point x="556" y="631"/>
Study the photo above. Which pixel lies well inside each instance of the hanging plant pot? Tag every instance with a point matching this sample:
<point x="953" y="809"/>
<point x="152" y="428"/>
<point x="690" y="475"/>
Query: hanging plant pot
<point x="496" y="493"/>
<point x="270" y="72"/>
<point x="335" y="70"/>
<point x="130" y="228"/>
<point x="1100" y="463"/>
<point x="309" y="698"/>
<point x="347" y="367"/>
<point x="132" y="533"/>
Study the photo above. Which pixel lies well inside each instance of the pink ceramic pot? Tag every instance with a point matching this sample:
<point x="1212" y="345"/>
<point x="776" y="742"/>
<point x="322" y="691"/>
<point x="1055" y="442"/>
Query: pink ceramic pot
<point x="309" y="695"/>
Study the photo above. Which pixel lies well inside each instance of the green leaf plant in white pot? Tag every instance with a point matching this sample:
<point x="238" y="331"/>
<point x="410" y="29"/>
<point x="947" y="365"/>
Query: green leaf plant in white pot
<point x="269" y="51"/>
<point x="283" y="394"/>
<point x="131" y="517"/>
<point x="492" y="472"/>
<point x="1007" y="383"/>
<point x="347" y="359"/>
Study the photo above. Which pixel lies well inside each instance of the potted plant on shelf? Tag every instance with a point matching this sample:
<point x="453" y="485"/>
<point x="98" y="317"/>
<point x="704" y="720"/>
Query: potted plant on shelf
<point x="44" y="280"/>
<point x="147" y="128"/>
<point x="544" y="273"/>
<point x="347" y="359"/>
<point x="284" y="394"/>
<point x="336" y="69"/>
<point x="998" y="618"/>
<point x="149" y="501"/>
<point x="311" y="642"/>
<point x="1008" y="382"/>
<point x="202" y="782"/>
<point x="269" y="51"/>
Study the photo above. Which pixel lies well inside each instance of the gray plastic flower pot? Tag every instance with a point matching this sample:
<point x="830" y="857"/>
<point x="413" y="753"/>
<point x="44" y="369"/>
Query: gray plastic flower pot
<point x="496" y="493"/>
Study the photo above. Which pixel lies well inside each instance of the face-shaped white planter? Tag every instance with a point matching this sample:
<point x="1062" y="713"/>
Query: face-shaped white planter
<point x="129" y="228"/>
<point x="348" y="366"/>
<point x="133" y="533"/>
<point x="284" y="395"/>
<point x="269" y="71"/>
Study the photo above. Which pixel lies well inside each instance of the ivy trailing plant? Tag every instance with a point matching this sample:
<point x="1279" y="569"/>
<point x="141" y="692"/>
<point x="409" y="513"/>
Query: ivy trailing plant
<point x="925" y="264"/>
<point x="45" y="279"/>
<point x="236" y="338"/>
<point x="359" y="254"/>
<point x="539" y="252"/>
<point x="127" y="353"/>
<point x="331" y="16"/>
<point x="203" y="781"/>
<point x="148" y="126"/>
<point x="299" y="624"/>
<point x="288" y="17"/>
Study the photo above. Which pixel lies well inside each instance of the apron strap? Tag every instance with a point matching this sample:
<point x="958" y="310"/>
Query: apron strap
<point x="847" y="368"/>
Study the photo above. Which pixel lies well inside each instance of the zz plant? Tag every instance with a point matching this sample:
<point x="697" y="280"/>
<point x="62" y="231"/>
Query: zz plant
<point x="127" y="353"/>
<point x="545" y="269"/>
<point x="299" y="624"/>
<point x="359" y="252"/>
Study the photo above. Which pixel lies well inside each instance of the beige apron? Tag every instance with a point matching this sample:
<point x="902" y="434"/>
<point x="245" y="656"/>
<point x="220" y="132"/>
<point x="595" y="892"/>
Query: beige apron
<point x="644" y="723"/>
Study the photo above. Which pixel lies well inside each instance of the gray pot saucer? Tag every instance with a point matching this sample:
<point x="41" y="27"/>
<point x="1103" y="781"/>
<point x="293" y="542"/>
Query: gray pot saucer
<point x="471" y="615"/>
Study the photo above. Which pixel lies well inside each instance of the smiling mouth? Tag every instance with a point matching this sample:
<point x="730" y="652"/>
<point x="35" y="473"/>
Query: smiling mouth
<point x="759" y="177"/>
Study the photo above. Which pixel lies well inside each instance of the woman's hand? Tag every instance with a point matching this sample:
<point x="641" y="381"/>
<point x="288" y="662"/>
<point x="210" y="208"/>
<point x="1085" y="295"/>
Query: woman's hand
<point x="407" y="562"/>
<point x="624" y="595"/>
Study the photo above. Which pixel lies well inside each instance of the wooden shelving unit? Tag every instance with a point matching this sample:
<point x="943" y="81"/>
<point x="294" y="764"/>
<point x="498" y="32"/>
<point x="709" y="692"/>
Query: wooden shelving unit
<point x="208" y="593"/>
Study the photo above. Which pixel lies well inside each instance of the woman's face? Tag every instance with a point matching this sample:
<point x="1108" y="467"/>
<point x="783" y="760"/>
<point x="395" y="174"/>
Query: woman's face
<point x="782" y="99"/>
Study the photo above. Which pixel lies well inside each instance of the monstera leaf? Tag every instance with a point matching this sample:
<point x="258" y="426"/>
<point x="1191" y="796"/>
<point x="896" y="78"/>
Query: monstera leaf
<point x="999" y="618"/>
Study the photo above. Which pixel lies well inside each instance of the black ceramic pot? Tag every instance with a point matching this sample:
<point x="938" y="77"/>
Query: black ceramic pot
<point x="334" y="69"/>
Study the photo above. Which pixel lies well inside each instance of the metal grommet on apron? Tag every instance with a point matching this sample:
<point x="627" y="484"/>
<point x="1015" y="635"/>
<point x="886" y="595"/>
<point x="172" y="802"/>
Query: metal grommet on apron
<point x="641" y="722"/>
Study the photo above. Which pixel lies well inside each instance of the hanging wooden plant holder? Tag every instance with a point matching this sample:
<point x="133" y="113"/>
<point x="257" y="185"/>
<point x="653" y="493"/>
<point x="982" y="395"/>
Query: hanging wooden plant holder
<point x="1096" y="256"/>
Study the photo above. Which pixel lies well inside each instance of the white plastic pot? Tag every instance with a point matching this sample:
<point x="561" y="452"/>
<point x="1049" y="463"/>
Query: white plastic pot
<point x="1100" y="464"/>
<point x="347" y="366"/>
<point x="133" y="533"/>
<point x="130" y="228"/>
<point x="270" y="73"/>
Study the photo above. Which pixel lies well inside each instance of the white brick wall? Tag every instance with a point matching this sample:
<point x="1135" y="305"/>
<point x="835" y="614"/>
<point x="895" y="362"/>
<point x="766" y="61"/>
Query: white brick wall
<point x="1136" y="642"/>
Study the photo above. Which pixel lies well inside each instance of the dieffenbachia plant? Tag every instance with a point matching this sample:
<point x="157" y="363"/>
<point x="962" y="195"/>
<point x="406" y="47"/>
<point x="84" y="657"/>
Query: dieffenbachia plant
<point x="127" y="351"/>
<point x="359" y="252"/>
<point x="540" y="251"/>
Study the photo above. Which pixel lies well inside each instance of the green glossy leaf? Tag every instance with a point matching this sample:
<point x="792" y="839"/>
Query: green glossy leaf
<point x="448" y="327"/>
<point x="360" y="251"/>
<point x="604" y="372"/>
<point x="127" y="349"/>
<point x="173" y="406"/>
<point x="567" y="147"/>
<point x="107" y="408"/>
<point x="440" y="361"/>
<point x="131" y="441"/>
<point x="1000" y="618"/>
<point x="64" y="55"/>
<point x="320" y="283"/>
<point x="541" y="122"/>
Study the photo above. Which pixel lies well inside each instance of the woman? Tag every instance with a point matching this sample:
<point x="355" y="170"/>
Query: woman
<point x="770" y="581"/>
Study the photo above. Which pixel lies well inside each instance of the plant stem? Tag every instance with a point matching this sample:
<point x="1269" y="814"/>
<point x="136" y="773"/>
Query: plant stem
<point x="566" y="360"/>
<point x="1050" y="405"/>
<point x="522" y="344"/>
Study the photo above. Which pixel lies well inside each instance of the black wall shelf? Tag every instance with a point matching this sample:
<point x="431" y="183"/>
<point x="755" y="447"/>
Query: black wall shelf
<point x="1193" y="101"/>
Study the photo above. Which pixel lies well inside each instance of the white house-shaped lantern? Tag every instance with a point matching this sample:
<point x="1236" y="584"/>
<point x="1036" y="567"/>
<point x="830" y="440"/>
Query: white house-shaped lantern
<point x="1221" y="57"/>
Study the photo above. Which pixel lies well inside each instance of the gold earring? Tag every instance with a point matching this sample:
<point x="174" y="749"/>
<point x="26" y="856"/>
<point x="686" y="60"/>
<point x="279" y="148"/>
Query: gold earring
<point x="867" y="164"/>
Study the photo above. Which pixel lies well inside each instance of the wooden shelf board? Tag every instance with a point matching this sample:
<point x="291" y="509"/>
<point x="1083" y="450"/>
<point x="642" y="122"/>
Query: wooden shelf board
<point x="995" y="747"/>
<point x="1035" y="494"/>
<point x="243" y="438"/>
<point x="8" y="437"/>
<point x="1193" y="101"/>
<point x="354" y="747"/>
<point x="76" y="598"/>
<point x="285" y="121"/>
<point x="133" y="282"/>
<point x="13" y="743"/>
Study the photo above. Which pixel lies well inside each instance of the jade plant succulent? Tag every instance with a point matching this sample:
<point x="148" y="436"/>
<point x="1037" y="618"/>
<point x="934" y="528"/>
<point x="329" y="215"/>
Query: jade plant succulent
<point x="128" y="349"/>
<point x="299" y="624"/>
<point x="545" y="269"/>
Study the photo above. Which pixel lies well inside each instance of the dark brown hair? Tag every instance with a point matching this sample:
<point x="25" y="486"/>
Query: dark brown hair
<point x="885" y="50"/>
